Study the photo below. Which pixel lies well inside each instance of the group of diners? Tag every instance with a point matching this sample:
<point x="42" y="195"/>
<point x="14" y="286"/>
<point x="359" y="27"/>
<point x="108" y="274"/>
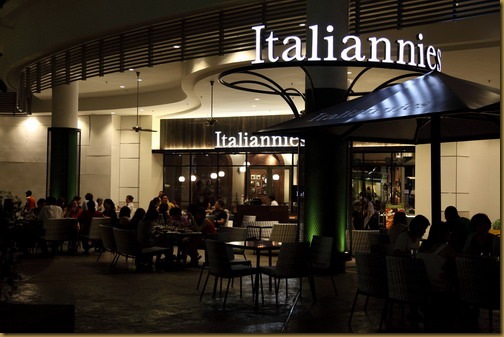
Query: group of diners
<point x="446" y="241"/>
<point x="149" y="223"/>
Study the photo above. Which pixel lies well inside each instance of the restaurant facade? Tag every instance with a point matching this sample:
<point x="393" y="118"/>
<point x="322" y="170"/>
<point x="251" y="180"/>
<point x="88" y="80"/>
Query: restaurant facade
<point x="195" y="162"/>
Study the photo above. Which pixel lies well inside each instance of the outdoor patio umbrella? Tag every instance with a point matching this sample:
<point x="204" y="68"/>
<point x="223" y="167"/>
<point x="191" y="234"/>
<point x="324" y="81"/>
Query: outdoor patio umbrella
<point x="403" y="113"/>
<point x="431" y="108"/>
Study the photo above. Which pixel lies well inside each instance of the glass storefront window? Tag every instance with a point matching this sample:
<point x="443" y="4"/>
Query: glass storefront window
<point x="236" y="178"/>
<point x="386" y="178"/>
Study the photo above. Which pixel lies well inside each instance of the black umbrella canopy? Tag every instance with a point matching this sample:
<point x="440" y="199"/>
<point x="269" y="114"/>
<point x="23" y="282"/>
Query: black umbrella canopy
<point x="403" y="113"/>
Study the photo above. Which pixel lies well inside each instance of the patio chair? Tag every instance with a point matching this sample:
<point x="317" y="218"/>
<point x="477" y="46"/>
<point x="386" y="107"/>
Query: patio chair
<point x="58" y="231"/>
<point x="479" y="284"/>
<point x="94" y="233"/>
<point x="107" y="236"/>
<point x="292" y="262"/>
<point x="321" y="257"/>
<point x="220" y="266"/>
<point x="408" y="284"/>
<point x="371" y="281"/>
<point x="127" y="245"/>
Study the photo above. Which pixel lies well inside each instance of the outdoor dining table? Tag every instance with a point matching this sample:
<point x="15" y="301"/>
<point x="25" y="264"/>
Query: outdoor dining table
<point x="176" y="235"/>
<point x="258" y="247"/>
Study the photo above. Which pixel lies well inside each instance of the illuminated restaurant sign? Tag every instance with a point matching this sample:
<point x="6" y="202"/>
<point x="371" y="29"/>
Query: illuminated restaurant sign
<point x="409" y="53"/>
<point x="244" y="140"/>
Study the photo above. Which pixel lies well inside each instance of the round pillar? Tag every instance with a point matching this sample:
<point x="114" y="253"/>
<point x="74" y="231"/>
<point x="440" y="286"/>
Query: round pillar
<point x="63" y="143"/>
<point x="327" y="178"/>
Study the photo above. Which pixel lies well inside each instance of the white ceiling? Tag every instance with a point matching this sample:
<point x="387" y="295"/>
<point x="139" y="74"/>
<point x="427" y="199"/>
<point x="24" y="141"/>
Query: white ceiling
<point x="474" y="56"/>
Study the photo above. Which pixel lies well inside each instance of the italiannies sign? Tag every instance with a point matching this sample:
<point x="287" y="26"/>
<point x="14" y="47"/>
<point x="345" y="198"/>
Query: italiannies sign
<point x="353" y="49"/>
<point x="242" y="139"/>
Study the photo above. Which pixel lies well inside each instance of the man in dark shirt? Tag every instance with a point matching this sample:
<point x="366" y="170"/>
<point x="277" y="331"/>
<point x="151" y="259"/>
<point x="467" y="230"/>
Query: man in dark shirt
<point x="219" y="214"/>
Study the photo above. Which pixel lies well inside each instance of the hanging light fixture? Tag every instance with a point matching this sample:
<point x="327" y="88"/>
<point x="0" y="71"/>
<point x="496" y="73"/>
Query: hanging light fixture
<point x="181" y="179"/>
<point x="137" y="127"/>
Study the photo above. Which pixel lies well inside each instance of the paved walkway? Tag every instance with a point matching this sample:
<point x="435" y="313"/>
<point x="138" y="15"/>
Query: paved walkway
<point x="125" y="301"/>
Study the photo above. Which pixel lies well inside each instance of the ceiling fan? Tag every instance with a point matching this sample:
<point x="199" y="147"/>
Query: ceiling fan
<point x="211" y="121"/>
<point x="137" y="127"/>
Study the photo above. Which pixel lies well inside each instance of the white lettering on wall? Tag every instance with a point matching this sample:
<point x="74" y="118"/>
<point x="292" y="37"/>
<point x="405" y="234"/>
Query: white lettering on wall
<point x="411" y="53"/>
<point x="244" y="140"/>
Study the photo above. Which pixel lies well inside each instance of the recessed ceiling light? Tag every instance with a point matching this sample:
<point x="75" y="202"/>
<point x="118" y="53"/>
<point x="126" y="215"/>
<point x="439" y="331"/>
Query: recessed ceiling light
<point x="176" y="46"/>
<point x="349" y="73"/>
<point x="122" y="86"/>
<point x="131" y="69"/>
<point x="257" y="99"/>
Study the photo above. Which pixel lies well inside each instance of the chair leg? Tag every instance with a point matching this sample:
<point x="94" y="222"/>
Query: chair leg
<point x="204" y="286"/>
<point x="277" y="287"/>
<point x="334" y="285"/>
<point x="200" y="275"/>
<point x="384" y="314"/>
<point x="215" y="286"/>
<point x="365" y="305"/>
<point x="353" y="307"/>
<point x="227" y="290"/>
<point x="311" y="280"/>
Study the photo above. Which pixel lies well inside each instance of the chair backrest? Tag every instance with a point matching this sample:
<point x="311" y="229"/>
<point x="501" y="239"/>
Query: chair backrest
<point x="321" y="251"/>
<point x="372" y="274"/>
<point x="293" y="260"/>
<point x="218" y="257"/>
<point x="360" y="240"/>
<point x="94" y="228"/>
<point x="407" y="279"/>
<point x="237" y="234"/>
<point x="284" y="233"/>
<point x="249" y="218"/>
<point x="259" y="233"/>
<point x="126" y="241"/>
<point x="107" y="237"/>
<point x="380" y="243"/>
<point x="60" y="229"/>
<point x="479" y="281"/>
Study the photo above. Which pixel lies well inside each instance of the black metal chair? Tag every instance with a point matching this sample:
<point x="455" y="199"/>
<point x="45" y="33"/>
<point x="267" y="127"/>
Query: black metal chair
<point x="321" y="257"/>
<point x="292" y="262"/>
<point x="220" y="266"/>
<point x="371" y="280"/>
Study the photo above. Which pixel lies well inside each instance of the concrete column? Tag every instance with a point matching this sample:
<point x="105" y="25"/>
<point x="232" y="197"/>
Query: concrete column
<point x="327" y="178"/>
<point x="63" y="155"/>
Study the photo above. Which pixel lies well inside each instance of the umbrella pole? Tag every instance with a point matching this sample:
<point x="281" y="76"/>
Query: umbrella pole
<point x="436" y="169"/>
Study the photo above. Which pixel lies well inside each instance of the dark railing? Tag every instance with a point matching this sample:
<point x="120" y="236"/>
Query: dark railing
<point x="221" y="32"/>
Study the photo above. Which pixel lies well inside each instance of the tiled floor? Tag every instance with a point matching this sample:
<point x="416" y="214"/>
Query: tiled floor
<point x="125" y="301"/>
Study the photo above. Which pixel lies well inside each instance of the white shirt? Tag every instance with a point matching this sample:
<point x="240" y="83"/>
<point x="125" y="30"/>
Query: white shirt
<point x="404" y="243"/>
<point x="50" y="212"/>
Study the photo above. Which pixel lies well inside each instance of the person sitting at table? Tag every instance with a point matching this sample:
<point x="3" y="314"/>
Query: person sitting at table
<point x="439" y="256"/>
<point x="74" y="210"/>
<point x="219" y="214"/>
<point x="198" y="222"/>
<point x="50" y="210"/>
<point x="85" y="224"/>
<point x="136" y="218"/>
<point x="176" y="218"/>
<point x="481" y="241"/>
<point x="399" y="225"/>
<point x="164" y="207"/>
<point x="146" y="236"/>
<point x="124" y="217"/>
<point x="110" y="211"/>
<point x="408" y="242"/>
